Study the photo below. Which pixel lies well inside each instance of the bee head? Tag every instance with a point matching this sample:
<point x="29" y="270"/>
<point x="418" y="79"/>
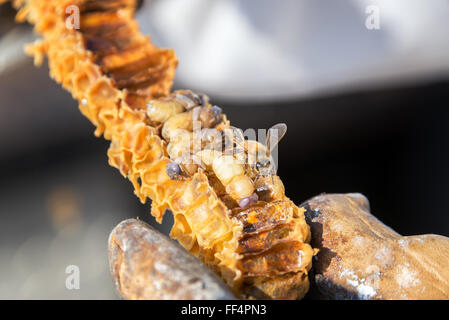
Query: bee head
<point x="266" y="166"/>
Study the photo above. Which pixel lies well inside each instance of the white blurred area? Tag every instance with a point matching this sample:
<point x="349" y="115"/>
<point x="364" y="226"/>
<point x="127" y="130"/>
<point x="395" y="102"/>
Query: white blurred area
<point x="267" y="49"/>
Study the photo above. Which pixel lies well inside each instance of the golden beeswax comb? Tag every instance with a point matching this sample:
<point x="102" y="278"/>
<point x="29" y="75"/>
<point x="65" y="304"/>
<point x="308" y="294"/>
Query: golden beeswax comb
<point x="237" y="221"/>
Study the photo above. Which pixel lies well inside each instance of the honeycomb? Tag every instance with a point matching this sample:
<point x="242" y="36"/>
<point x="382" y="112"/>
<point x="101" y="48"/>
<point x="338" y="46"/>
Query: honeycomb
<point x="113" y="71"/>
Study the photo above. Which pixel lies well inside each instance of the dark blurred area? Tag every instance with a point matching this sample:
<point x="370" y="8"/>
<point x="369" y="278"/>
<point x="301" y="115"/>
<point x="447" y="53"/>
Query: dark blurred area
<point x="60" y="198"/>
<point x="392" y="145"/>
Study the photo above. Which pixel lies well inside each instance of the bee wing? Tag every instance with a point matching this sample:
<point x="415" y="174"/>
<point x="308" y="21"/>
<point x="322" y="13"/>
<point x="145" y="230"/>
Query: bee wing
<point x="235" y="135"/>
<point x="238" y="135"/>
<point x="239" y="150"/>
<point x="233" y="151"/>
<point x="274" y="135"/>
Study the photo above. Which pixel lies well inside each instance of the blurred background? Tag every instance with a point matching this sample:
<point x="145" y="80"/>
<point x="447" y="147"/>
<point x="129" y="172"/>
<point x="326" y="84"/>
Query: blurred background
<point x="362" y="85"/>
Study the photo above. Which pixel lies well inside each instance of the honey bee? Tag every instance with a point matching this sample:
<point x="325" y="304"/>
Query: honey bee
<point x="257" y="156"/>
<point x="243" y="162"/>
<point x="259" y="163"/>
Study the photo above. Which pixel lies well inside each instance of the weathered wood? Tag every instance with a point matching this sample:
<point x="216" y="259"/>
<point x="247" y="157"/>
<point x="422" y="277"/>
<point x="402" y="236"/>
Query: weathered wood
<point x="146" y="264"/>
<point x="361" y="258"/>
